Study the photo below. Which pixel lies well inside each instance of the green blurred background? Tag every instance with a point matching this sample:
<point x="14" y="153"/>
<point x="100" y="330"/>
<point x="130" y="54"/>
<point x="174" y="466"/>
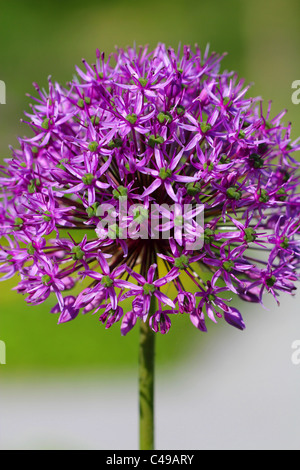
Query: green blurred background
<point x="38" y="39"/>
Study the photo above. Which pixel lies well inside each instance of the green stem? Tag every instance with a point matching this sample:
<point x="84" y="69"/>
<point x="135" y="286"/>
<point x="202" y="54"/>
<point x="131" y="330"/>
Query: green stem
<point x="146" y="382"/>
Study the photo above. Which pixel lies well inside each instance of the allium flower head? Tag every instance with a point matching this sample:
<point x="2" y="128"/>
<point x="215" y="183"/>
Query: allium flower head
<point x="151" y="169"/>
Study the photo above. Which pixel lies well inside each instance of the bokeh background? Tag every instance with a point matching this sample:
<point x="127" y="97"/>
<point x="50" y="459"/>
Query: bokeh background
<point x="75" y="385"/>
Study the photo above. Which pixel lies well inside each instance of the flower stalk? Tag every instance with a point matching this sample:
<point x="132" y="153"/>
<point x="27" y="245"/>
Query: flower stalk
<point x="146" y="382"/>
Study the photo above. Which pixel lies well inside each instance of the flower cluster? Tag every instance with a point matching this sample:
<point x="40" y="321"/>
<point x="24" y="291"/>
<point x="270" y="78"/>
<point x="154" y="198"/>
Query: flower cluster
<point x="159" y="129"/>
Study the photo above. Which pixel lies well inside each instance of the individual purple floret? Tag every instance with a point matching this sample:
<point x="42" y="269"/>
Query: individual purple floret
<point x="139" y="159"/>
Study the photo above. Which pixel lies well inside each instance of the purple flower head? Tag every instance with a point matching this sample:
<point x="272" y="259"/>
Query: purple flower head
<point x="149" y="173"/>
